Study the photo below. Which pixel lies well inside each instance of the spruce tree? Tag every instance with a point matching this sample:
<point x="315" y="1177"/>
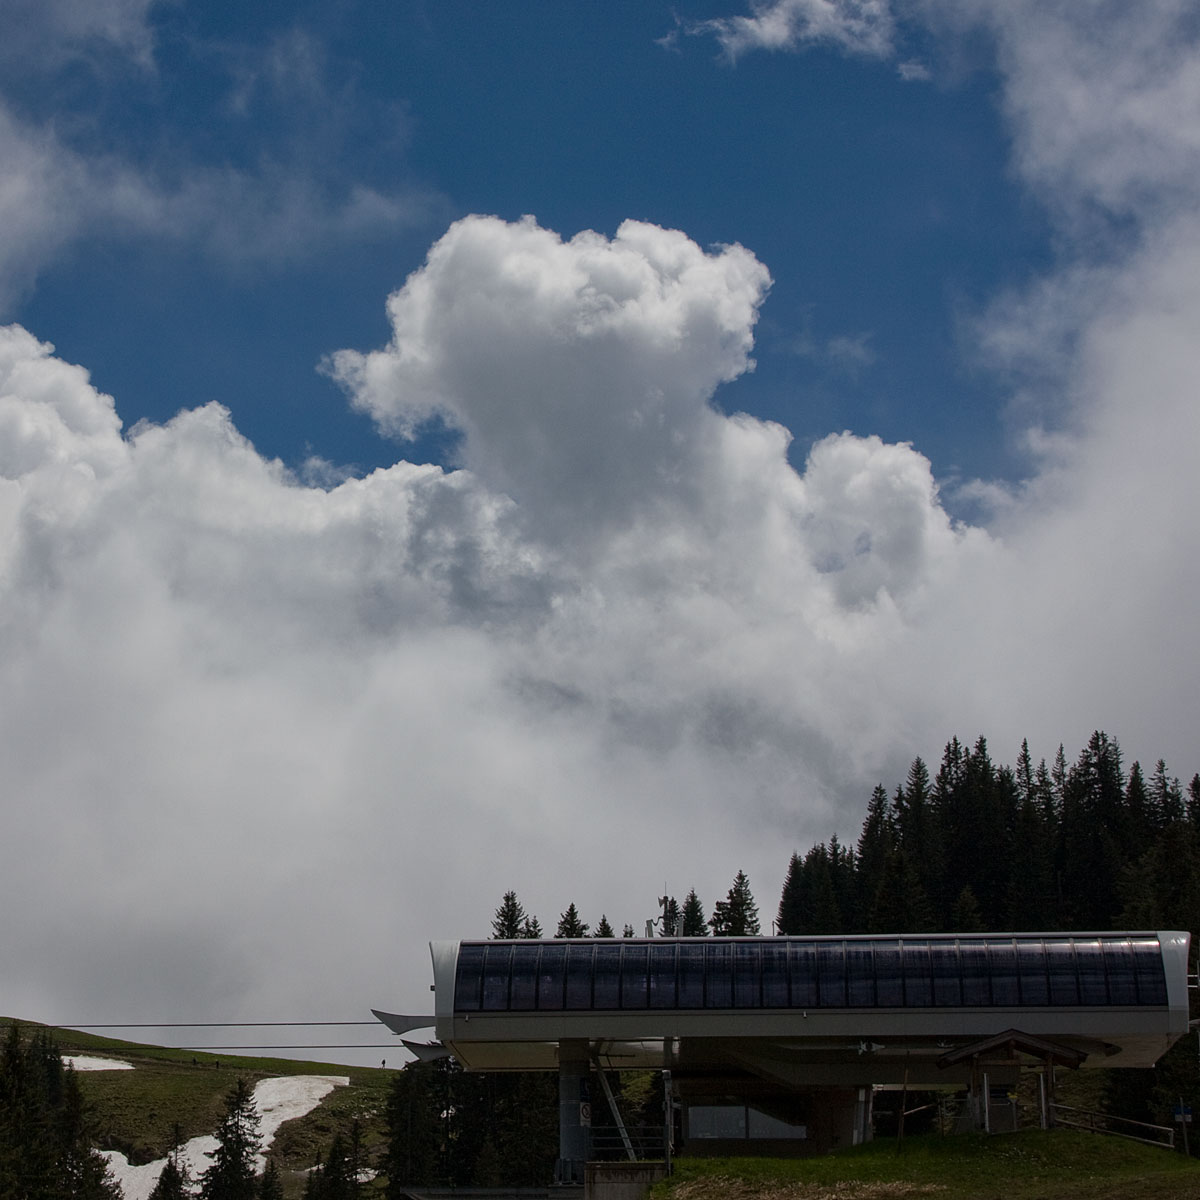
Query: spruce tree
<point x="604" y="929"/>
<point x="737" y="914"/>
<point x="694" y="924"/>
<point x="790" y="917"/>
<point x="509" y="920"/>
<point x="569" y="924"/>
<point x="270" y="1186"/>
<point x="231" y="1175"/>
<point x="531" y="928"/>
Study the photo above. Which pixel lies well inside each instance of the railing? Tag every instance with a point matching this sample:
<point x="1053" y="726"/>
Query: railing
<point x="1094" y="1122"/>
<point x="646" y="1142"/>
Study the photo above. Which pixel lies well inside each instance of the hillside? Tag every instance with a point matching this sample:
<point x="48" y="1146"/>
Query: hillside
<point x="137" y="1111"/>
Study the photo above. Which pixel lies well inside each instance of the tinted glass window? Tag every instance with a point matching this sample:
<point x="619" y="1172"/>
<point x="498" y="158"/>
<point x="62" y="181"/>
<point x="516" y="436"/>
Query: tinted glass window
<point x="973" y="962"/>
<point x="495" y="978"/>
<point x="551" y="976"/>
<point x="774" y="975"/>
<point x="1060" y="962"/>
<point x="691" y="975"/>
<point x="747" y="989"/>
<point x="802" y="974"/>
<point x="522" y="994"/>
<point x="1003" y="961"/>
<point x="860" y="975"/>
<point x="662" y="976"/>
<point x="918" y="975"/>
<point x="718" y="972"/>
<point x="947" y="976"/>
<point x="1118" y="963"/>
<point x="1147" y="965"/>
<point x="579" y="977"/>
<point x="889" y="977"/>
<point x="831" y="974"/>
<point x="1031" y="971"/>
<point x="1089" y="960"/>
<point x="606" y="976"/>
<point x="634" y="992"/>
<point x="468" y="979"/>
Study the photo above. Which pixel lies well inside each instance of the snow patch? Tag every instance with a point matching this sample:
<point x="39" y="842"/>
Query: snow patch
<point x="278" y="1100"/>
<point x="85" y="1062"/>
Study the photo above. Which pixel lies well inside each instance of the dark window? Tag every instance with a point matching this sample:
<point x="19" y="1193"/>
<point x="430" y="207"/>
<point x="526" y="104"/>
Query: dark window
<point x="579" y="977"/>
<point x="633" y="977"/>
<point x="468" y="979"/>
<point x="1003" y="962"/>
<point x="522" y="994"/>
<point x="947" y="975"/>
<point x="718" y="975"/>
<point x="973" y="959"/>
<point x="1031" y="970"/>
<point x="661" y="973"/>
<point x="495" y="977"/>
<point x="552" y="970"/>
<point x="918" y="975"/>
<point x="831" y="973"/>
<point x="1064" y="983"/>
<point x="606" y="976"/>
<point x="1093" y="989"/>
<point x="747" y="990"/>
<point x="802" y="972"/>
<point x="774" y="975"/>
<point x="889" y="976"/>
<point x="691" y="975"/>
<point x="1118" y="962"/>
<point x="860" y="975"/>
<point x="1148" y="967"/>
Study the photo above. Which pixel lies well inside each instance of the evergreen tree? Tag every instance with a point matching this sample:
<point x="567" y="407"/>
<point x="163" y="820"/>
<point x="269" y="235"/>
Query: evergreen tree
<point x="509" y="921"/>
<point x="569" y="924"/>
<point x="737" y="914"/>
<point x="173" y="1181"/>
<point x="965" y="916"/>
<point x="270" y="1186"/>
<point x="231" y="1175"/>
<point x="604" y="929"/>
<point x="531" y="927"/>
<point x="694" y="924"/>
<point x="790" y="917"/>
<point x="627" y="932"/>
<point x="672" y="919"/>
<point x="875" y="845"/>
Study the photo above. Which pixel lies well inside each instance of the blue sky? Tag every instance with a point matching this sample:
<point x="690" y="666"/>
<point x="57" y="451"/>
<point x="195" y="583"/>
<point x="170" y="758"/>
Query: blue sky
<point x="447" y="448"/>
<point x="885" y="209"/>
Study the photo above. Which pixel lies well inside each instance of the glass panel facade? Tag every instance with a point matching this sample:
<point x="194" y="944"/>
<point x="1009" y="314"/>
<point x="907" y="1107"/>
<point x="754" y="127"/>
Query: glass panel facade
<point x="747" y="969"/>
<point x="775" y="975"/>
<point x="691" y="975"/>
<point x="889" y="975"/>
<point x="718" y="975"/>
<point x="552" y="972"/>
<point x="976" y="981"/>
<point x="860" y="975"/>
<point x="1031" y="972"/>
<point x="634" y="988"/>
<point x="522" y="992"/>
<point x="606" y="976"/>
<point x="497" y="963"/>
<point x="831" y="974"/>
<point x="579" y="977"/>
<point x="804" y="973"/>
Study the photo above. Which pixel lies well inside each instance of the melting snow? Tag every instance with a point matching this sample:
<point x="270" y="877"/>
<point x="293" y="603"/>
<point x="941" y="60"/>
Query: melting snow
<point x="83" y="1062"/>
<point x="277" y="1100"/>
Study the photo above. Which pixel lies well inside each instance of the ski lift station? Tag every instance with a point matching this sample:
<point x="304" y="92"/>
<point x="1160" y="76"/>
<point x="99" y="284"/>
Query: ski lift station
<point x="776" y="1044"/>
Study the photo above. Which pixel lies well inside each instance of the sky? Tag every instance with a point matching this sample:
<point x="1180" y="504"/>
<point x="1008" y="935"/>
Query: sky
<point x="579" y="449"/>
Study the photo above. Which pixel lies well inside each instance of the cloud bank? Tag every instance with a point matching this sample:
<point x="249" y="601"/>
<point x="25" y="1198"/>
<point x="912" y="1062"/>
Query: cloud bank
<point x="271" y="738"/>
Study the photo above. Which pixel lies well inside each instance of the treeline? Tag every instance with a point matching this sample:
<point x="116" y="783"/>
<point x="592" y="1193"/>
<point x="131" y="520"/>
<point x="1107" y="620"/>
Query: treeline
<point x="45" y="1141"/>
<point x="976" y="847"/>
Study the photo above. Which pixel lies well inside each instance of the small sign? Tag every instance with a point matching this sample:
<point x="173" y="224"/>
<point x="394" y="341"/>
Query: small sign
<point x="585" y="1113"/>
<point x="1183" y="1113"/>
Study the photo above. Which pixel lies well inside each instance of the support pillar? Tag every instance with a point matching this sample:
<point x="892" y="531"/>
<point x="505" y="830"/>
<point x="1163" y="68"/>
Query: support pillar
<point x="574" y="1111"/>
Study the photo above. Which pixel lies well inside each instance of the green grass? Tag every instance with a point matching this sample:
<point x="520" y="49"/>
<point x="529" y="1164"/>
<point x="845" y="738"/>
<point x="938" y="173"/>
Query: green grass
<point x="1031" y="1165"/>
<point x="137" y="1111"/>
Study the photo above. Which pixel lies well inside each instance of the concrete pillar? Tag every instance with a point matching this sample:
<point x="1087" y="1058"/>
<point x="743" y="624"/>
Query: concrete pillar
<point x="574" y="1111"/>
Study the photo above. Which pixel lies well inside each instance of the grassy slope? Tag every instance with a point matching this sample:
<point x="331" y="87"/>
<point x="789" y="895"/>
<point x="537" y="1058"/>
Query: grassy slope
<point x="1061" y="1165"/>
<point x="136" y="1111"/>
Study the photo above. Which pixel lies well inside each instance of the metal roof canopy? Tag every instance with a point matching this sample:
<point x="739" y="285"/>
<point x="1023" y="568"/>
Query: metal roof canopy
<point x="810" y="1010"/>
